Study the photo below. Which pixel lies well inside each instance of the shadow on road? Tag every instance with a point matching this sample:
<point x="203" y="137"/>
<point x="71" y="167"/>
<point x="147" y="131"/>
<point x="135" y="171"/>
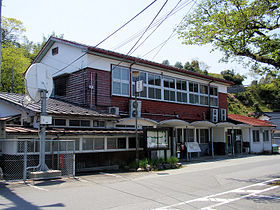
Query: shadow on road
<point x="16" y="202"/>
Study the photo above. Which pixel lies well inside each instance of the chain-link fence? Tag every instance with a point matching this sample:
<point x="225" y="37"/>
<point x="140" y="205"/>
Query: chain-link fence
<point x="18" y="157"/>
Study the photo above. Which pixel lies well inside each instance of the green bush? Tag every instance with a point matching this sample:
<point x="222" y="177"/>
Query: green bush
<point x="143" y="163"/>
<point x="172" y="160"/>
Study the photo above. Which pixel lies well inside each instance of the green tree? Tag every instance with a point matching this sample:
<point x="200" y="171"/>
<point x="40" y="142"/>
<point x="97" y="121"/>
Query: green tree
<point x="239" y="28"/>
<point x="13" y="59"/>
<point x="179" y="65"/>
<point x="230" y="75"/>
<point x="166" y="62"/>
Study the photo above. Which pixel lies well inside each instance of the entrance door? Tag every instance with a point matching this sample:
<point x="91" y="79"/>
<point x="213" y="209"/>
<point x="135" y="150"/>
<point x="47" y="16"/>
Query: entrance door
<point x="229" y="144"/>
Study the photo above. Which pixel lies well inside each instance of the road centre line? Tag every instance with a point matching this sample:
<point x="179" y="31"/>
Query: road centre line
<point x="241" y="189"/>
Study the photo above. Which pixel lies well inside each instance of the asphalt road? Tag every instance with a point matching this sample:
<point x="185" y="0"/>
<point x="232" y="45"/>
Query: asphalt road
<point x="240" y="183"/>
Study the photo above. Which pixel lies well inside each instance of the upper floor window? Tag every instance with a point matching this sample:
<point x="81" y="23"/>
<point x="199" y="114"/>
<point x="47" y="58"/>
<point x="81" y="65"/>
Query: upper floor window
<point x="154" y="86"/>
<point x="55" y="51"/>
<point x="204" y="100"/>
<point x="143" y="77"/>
<point x="120" y="81"/>
<point x="213" y="96"/>
<point x="181" y="86"/>
<point x="169" y="89"/>
<point x="193" y="93"/>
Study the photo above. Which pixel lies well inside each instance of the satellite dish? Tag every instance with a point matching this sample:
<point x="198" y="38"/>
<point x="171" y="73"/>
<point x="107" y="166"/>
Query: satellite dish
<point x="38" y="78"/>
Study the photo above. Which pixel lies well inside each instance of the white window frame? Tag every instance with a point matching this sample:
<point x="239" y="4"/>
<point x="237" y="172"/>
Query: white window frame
<point x="169" y="89"/>
<point x="121" y="81"/>
<point x="203" y="94"/>
<point x="182" y="91"/>
<point x="264" y="134"/>
<point x="154" y="86"/>
<point x="194" y="93"/>
<point x="253" y="136"/>
<point x="216" y="97"/>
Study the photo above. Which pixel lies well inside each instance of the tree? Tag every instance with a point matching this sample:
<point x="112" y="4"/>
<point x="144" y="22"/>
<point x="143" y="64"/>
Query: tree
<point x="230" y="75"/>
<point x="166" y="62"/>
<point x="239" y="28"/>
<point x="179" y="65"/>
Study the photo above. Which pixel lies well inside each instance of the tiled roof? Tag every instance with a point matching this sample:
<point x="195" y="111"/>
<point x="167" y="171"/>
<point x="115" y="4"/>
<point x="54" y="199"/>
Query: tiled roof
<point x="54" y="131"/>
<point x="54" y="106"/>
<point x="124" y="57"/>
<point x="250" y="120"/>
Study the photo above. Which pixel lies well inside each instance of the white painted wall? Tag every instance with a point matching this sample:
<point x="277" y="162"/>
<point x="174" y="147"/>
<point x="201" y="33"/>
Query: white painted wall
<point x="66" y="55"/>
<point x="261" y="146"/>
<point x="8" y="110"/>
<point x="246" y="134"/>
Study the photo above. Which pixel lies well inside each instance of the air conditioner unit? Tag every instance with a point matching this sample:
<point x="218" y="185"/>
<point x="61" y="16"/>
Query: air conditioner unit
<point x="133" y="105"/>
<point x="223" y="115"/>
<point x="214" y="115"/>
<point x="114" y="110"/>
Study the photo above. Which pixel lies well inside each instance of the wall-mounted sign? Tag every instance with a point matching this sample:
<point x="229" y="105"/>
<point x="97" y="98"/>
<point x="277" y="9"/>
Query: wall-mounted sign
<point x="139" y="86"/>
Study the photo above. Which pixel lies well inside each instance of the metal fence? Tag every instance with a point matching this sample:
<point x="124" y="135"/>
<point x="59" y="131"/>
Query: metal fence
<point x="18" y="157"/>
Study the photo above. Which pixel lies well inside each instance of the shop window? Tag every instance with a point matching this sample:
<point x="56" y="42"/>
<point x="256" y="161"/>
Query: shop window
<point x="256" y="136"/>
<point x="202" y="136"/>
<point x="190" y="133"/>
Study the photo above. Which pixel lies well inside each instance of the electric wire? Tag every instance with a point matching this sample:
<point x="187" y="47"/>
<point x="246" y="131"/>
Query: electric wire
<point x="107" y="37"/>
<point x="152" y="26"/>
<point x="156" y="27"/>
<point x="126" y="23"/>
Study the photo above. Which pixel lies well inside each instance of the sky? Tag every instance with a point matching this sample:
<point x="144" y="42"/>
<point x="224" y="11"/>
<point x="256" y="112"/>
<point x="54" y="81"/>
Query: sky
<point x="90" y="21"/>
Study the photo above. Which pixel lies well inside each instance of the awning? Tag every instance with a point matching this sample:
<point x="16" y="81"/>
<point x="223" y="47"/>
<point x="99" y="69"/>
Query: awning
<point x="140" y="121"/>
<point x="202" y="124"/>
<point x="225" y="124"/>
<point x="173" y="123"/>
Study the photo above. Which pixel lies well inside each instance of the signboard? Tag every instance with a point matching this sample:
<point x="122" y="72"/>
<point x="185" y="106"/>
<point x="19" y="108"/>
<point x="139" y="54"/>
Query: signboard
<point x="193" y="147"/>
<point x="157" y="139"/>
<point x="139" y="86"/>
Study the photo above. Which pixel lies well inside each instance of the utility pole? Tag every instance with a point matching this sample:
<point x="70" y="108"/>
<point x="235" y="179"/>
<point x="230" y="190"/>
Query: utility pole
<point x="0" y="42"/>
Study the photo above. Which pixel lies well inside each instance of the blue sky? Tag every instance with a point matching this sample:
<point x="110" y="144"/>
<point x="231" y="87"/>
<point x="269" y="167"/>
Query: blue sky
<point x="90" y="21"/>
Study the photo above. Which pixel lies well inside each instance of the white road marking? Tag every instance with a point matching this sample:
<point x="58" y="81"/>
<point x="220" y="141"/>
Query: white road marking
<point x="39" y="188"/>
<point x="225" y="201"/>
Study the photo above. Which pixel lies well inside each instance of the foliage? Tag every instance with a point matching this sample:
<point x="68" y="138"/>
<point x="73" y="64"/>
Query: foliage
<point x="172" y="160"/>
<point x="166" y="62"/>
<point x="178" y="65"/>
<point x="230" y="75"/>
<point x="239" y="28"/>
<point x="143" y="163"/>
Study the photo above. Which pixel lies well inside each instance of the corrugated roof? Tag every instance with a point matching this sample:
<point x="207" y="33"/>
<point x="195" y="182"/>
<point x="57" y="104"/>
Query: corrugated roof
<point x="124" y="57"/>
<point x="250" y="120"/>
<point x="54" y="106"/>
<point x="54" y="131"/>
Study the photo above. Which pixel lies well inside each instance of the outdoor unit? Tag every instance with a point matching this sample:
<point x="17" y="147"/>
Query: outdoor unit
<point x="223" y="115"/>
<point x="114" y="110"/>
<point x="133" y="105"/>
<point x="214" y="115"/>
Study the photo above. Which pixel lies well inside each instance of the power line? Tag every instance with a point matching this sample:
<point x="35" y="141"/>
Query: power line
<point x="153" y="25"/>
<point x="107" y="37"/>
<point x="156" y="27"/>
<point x="148" y="27"/>
<point x="125" y="23"/>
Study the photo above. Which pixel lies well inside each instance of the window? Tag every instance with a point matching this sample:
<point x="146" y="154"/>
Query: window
<point x="98" y="123"/>
<point x="111" y="143"/>
<point x="55" y="51"/>
<point x="213" y="96"/>
<point x="193" y="93"/>
<point x="190" y="133"/>
<point x="99" y="144"/>
<point x="131" y="142"/>
<point x="74" y="122"/>
<point x="85" y="123"/>
<point x="169" y="89"/>
<point x="202" y="136"/>
<point x="265" y="135"/>
<point x="87" y="144"/>
<point x="256" y="136"/>
<point x="154" y="86"/>
<point x="60" y="85"/>
<point x="181" y="87"/>
<point x="121" y="143"/>
<point x="204" y="100"/>
<point x="143" y="77"/>
<point x="59" y="122"/>
<point x="120" y="81"/>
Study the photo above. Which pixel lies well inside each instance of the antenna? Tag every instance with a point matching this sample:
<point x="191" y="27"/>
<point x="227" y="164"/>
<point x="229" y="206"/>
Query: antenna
<point x="39" y="85"/>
